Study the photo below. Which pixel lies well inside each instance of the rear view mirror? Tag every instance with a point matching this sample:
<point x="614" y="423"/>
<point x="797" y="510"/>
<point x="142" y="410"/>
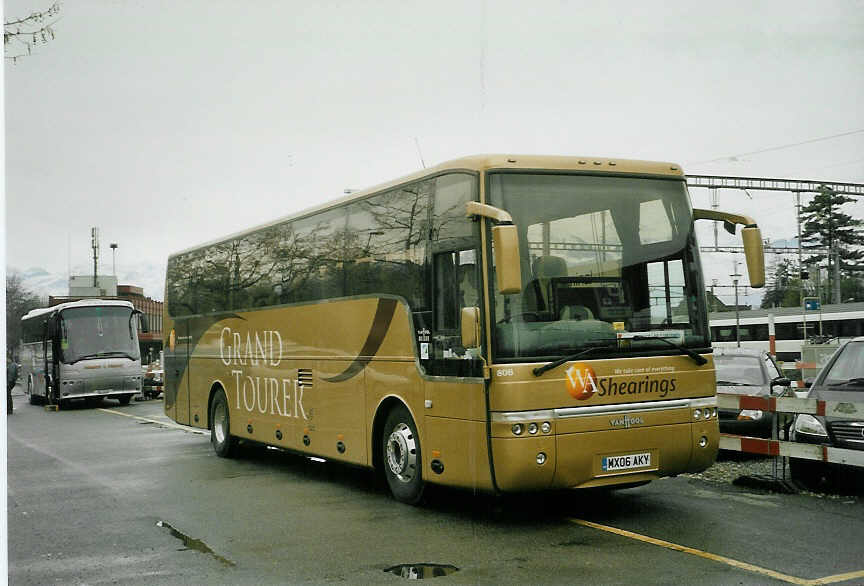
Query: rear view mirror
<point x="143" y="320"/>
<point x="754" y="255"/>
<point x="505" y="239"/>
<point x="751" y="235"/>
<point x="470" y="327"/>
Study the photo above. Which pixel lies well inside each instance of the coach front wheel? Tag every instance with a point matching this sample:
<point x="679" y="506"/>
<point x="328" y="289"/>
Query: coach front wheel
<point x="401" y="456"/>
<point x="220" y="427"/>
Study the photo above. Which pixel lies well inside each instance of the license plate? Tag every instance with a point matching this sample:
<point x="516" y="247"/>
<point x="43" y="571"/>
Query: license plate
<point x="625" y="462"/>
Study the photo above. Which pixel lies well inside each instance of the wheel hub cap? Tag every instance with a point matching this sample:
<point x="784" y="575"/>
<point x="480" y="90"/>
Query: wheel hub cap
<point x="402" y="453"/>
<point x="219" y="423"/>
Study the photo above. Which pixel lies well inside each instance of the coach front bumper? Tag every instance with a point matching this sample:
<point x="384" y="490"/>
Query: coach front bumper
<point x="602" y="445"/>
<point x="82" y="388"/>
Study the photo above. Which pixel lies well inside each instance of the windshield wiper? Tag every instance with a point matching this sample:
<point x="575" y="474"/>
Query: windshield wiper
<point x="605" y="346"/>
<point x="613" y="344"/>
<point x="700" y="360"/>
<point x="729" y="383"/>
<point x="102" y="355"/>
<point x="858" y="381"/>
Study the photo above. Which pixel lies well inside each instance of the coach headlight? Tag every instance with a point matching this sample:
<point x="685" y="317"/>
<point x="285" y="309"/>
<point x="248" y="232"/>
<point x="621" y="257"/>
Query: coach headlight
<point x="697" y="414"/>
<point x="517" y="429"/>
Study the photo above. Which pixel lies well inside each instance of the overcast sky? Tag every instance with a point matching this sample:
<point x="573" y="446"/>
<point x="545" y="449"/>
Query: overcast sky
<point x="167" y="124"/>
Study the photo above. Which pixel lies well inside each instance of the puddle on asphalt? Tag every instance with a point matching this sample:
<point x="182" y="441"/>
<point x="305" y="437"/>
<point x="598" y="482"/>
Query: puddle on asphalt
<point x="422" y="571"/>
<point x="195" y="544"/>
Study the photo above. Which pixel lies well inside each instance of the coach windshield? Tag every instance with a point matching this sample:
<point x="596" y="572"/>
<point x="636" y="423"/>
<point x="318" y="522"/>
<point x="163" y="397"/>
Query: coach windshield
<point x="98" y="332"/>
<point x="604" y="259"/>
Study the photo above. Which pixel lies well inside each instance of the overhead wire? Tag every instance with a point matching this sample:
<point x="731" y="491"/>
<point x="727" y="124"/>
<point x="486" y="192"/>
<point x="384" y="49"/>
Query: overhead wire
<point x="780" y="147"/>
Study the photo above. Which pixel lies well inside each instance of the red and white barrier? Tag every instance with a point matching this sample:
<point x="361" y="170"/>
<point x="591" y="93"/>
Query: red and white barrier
<point x="767" y="447"/>
<point x="840" y="409"/>
<point x="791" y="405"/>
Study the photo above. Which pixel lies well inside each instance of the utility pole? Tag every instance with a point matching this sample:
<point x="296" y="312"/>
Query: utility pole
<point x="800" y="258"/>
<point x="837" y="293"/>
<point x="94" y="243"/>
<point x="715" y="204"/>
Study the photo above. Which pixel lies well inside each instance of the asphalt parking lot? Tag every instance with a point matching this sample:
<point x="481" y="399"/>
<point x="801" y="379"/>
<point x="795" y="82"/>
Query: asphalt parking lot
<point x="122" y="494"/>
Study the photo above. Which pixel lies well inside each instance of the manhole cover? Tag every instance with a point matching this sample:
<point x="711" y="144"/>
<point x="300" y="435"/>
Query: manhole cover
<point x="422" y="571"/>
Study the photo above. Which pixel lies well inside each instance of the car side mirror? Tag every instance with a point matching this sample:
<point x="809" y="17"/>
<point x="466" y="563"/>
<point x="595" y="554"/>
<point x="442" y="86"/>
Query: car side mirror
<point x="808" y="382"/>
<point x="782" y="382"/>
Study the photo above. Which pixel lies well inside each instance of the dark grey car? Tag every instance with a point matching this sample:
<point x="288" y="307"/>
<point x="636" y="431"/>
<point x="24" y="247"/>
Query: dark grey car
<point x="747" y="372"/>
<point x="841" y="379"/>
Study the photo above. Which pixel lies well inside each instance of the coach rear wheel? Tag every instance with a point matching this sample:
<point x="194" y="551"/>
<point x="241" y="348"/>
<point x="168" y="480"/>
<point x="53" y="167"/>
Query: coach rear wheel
<point x="220" y="427"/>
<point x="49" y="393"/>
<point x="401" y="456"/>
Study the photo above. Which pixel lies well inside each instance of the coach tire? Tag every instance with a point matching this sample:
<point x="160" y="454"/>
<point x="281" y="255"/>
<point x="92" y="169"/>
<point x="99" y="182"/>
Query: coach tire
<point x="124" y="399"/>
<point x="223" y="443"/>
<point x="403" y="464"/>
<point x="49" y="392"/>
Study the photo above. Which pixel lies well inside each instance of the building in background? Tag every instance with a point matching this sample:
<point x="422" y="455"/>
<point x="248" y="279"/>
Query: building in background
<point x="82" y="288"/>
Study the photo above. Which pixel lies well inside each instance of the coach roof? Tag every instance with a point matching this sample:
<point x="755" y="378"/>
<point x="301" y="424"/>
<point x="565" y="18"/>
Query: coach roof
<point x="81" y="303"/>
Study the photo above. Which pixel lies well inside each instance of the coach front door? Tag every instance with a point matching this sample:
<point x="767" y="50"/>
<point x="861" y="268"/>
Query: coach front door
<point x="177" y="373"/>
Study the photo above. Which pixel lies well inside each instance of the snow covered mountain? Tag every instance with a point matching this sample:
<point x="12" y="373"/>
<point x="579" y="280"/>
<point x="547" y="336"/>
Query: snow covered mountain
<point x="44" y="283"/>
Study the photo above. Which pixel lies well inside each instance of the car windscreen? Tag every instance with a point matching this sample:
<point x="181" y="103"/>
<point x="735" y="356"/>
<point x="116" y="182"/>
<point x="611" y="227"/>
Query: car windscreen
<point x="847" y="370"/>
<point x="738" y="370"/>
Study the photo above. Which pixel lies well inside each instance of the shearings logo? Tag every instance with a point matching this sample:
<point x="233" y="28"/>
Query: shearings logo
<point x="581" y="381"/>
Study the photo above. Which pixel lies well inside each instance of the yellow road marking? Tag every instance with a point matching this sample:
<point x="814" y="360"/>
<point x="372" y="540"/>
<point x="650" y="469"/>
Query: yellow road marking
<point x="720" y="558"/>
<point x="839" y="577"/>
<point x="156" y="421"/>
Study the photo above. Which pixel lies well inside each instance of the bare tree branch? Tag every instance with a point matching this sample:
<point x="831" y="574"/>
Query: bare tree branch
<point x="25" y="33"/>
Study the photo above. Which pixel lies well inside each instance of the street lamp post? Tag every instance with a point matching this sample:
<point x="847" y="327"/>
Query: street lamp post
<point x="114" y="257"/>
<point x="735" y="277"/>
